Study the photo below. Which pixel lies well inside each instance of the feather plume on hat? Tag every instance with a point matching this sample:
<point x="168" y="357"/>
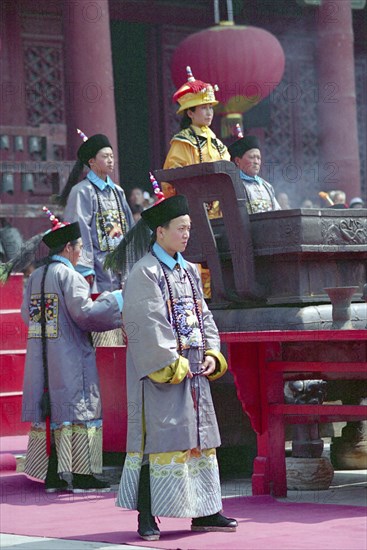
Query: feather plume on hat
<point x="135" y="243"/>
<point x="25" y="257"/>
<point x="60" y="233"/>
<point x="131" y="248"/>
<point x="88" y="149"/>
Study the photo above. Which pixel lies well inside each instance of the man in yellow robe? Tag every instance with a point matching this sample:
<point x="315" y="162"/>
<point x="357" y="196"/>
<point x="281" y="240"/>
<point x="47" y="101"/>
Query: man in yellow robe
<point x="196" y="142"/>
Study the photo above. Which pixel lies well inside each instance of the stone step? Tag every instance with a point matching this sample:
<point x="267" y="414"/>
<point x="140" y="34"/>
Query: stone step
<point x="11" y="370"/>
<point x="10" y="415"/>
<point x="13" y="331"/>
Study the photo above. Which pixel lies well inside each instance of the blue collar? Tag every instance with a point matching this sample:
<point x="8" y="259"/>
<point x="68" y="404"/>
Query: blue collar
<point x="63" y="260"/>
<point x="93" y="178"/>
<point x="246" y="177"/>
<point x="167" y="259"/>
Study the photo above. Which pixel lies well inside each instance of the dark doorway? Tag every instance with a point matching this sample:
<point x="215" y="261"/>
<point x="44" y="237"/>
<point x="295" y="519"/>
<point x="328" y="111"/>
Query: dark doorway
<point x="129" y="57"/>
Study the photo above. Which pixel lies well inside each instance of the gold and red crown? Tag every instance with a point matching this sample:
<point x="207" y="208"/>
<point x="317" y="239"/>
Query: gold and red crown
<point x="194" y="92"/>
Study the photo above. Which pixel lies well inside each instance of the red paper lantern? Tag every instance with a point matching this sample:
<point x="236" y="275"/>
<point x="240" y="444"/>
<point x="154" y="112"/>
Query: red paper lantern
<point x="247" y="63"/>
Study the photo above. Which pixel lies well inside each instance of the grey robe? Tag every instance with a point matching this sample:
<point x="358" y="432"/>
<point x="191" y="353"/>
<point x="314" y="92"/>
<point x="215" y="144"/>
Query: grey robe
<point x="260" y="195"/>
<point x="82" y="206"/>
<point x="170" y="418"/>
<point x="70" y="315"/>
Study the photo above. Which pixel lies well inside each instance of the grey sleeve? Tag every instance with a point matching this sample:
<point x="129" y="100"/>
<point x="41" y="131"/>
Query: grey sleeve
<point x="98" y="316"/>
<point x="270" y="188"/>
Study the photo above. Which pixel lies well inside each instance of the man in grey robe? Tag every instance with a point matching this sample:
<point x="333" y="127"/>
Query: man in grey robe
<point x="173" y="352"/>
<point x="100" y="207"/>
<point x="246" y="154"/>
<point x="61" y="396"/>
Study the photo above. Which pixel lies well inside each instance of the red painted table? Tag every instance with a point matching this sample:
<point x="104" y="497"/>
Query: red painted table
<point x="255" y="360"/>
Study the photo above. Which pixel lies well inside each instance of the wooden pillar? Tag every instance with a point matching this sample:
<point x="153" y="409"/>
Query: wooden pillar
<point x="339" y="156"/>
<point x="89" y="76"/>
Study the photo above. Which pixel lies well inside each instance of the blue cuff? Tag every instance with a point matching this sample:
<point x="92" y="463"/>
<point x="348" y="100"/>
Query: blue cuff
<point x="118" y="295"/>
<point x="84" y="270"/>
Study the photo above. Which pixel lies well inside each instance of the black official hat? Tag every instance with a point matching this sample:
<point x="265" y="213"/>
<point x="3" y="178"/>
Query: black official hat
<point x="165" y="210"/>
<point x="90" y="148"/>
<point x="136" y="241"/>
<point x="239" y="147"/>
<point x="60" y="232"/>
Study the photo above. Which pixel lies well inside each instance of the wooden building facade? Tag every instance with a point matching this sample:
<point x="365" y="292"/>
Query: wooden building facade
<point x="104" y="66"/>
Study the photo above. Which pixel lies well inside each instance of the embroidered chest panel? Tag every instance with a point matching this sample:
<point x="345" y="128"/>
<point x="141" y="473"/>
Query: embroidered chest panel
<point x="110" y="220"/>
<point x="52" y="316"/>
<point x="188" y="137"/>
<point x="259" y="205"/>
<point x="259" y="197"/>
<point x="187" y="321"/>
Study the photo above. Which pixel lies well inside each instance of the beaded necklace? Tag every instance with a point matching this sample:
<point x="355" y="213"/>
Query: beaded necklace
<point x="199" y="146"/>
<point x="101" y="218"/>
<point x="173" y="309"/>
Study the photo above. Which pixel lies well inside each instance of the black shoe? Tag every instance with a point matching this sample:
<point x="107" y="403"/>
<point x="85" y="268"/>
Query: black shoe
<point x="147" y="527"/>
<point x="55" y="485"/>
<point x="216" y="522"/>
<point x="88" y="483"/>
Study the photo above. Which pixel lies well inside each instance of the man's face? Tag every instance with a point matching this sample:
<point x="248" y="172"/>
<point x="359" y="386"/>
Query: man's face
<point x="250" y="162"/>
<point x="174" y="238"/>
<point x="103" y="163"/>
<point x="75" y="251"/>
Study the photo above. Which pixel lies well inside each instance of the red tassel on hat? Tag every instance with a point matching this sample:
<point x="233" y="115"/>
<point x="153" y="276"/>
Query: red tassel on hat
<point x="192" y="85"/>
<point x="195" y="85"/>
<point x="157" y="190"/>
<point x="56" y="224"/>
<point x="82" y="135"/>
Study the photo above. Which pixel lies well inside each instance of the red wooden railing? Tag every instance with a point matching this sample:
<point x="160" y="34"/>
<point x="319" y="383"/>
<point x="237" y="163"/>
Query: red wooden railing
<point x="255" y="361"/>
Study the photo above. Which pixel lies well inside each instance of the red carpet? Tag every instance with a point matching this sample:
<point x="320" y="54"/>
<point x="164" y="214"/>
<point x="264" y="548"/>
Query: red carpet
<point x="264" y="523"/>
